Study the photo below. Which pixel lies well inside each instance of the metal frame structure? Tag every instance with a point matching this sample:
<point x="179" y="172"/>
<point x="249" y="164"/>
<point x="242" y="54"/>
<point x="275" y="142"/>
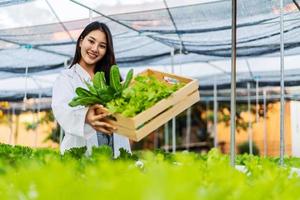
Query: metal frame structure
<point x="233" y="97"/>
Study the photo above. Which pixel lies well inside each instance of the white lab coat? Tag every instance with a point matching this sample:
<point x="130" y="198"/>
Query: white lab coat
<point x="72" y="119"/>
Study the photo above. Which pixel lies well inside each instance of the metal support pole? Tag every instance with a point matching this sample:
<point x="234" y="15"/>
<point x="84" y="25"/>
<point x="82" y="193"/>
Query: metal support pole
<point x="173" y="119"/>
<point x="35" y="121"/>
<point x="166" y="131"/>
<point x="38" y="118"/>
<point x="257" y="105"/>
<point x="207" y="111"/>
<point x="172" y="61"/>
<point x="11" y="113"/>
<point x="282" y="110"/>
<point x="66" y="63"/>
<point x="188" y="128"/>
<point x="249" y="121"/>
<point x="25" y="94"/>
<point x="90" y="15"/>
<point x="265" y="124"/>
<point x="155" y="142"/>
<point x="174" y="135"/>
<point x="61" y="133"/>
<point x="215" y="115"/>
<point x="233" y="85"/>
<point x="39" y="105"/>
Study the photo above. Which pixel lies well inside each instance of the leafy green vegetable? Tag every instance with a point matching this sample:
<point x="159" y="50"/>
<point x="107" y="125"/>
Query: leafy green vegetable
<point x="99" y="80"/>
<point x="84" y="101"/>
<point x="91" y="88"/>
<point x="115" y="81"/>
<point x="76" y="152"/>
<point x="125" y="155"/>
<point x="103" y="150"/>
<point x="102" y="81"/>
<point x="144" y="93"/>
<point x="83" y="92"/>
<point x="128" y="79"/>
<point x="99" y="92"/>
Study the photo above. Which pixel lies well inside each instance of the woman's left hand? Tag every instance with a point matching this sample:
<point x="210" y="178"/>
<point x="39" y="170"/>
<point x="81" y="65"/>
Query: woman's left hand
<point x="96" y="118"/>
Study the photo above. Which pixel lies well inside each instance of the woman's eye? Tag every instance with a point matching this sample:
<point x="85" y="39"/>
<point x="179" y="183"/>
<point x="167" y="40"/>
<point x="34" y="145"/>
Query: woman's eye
<point x="102" y="46"/>
<point x="91" y="41"/>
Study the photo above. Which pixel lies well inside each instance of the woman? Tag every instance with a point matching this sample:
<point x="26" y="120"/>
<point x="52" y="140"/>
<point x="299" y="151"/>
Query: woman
<point x="84" y="126"/>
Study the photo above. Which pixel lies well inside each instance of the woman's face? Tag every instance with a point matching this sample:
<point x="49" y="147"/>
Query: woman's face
<point x="93" y="48"/>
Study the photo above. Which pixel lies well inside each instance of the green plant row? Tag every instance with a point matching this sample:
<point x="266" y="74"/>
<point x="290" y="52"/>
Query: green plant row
<point x="44" y="174"/>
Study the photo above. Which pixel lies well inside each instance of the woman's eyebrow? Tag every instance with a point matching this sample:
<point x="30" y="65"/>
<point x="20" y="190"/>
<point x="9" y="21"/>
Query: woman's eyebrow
<point x="91" y="37"/>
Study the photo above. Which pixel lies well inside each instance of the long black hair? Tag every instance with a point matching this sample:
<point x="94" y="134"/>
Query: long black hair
<point x="108" y="59"/>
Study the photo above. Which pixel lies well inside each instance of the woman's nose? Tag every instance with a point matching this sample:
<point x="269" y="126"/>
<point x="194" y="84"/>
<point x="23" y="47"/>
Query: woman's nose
<point x="94" y="47"/>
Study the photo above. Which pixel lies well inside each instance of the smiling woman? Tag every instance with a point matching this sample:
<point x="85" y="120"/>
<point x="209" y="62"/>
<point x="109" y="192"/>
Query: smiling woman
<point x="84" y="126"/>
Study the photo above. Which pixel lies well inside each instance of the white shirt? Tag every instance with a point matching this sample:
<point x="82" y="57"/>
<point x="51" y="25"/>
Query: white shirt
<point x="72" y="119"/>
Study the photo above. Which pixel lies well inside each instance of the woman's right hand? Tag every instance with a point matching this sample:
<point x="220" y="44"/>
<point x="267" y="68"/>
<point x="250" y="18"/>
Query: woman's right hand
<point x="96" y="118"/>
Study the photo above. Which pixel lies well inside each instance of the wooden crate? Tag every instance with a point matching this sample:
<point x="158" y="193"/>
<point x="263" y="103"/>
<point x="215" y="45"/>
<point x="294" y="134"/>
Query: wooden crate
<point x="149" y="120"/>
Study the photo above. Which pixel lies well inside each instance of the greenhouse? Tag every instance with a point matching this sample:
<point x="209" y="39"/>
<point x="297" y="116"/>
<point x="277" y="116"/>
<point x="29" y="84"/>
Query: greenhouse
<point x="195" y="99"/>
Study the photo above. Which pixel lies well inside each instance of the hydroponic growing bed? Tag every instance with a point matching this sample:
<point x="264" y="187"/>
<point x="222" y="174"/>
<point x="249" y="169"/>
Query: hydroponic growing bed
<point x="44" y="174"/>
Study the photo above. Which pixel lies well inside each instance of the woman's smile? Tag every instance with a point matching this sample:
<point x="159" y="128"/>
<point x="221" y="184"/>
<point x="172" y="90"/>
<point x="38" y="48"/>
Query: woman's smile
<point x="92" y="55"/>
